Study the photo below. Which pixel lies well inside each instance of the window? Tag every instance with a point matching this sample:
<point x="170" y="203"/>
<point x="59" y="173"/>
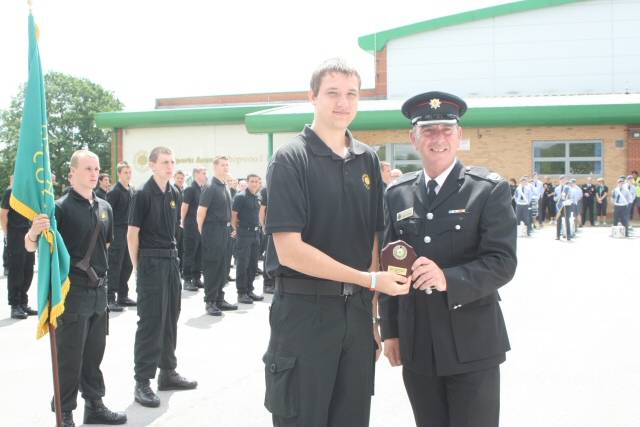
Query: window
<point x="401" y="156"/>
<point x="567" y="157"/>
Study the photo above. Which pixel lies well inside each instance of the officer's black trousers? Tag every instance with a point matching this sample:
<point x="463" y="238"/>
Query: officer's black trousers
<point x="215" y="243"/>
<point x="523" y="215"/>
<point x="587" y="209"/>
<point x="620" y="216"/>
<point x="81" y="339"/>
<point x="192" y="266"/>
<point x="158" y="287"/>
<point x="464" y="400"/>
<point x="20" y="264"/>
<point x="247" y="249"/>
<point x="563" y="213"/>
<point x="319" y="366"/>
<point x="120" y="266"/>
<point x="180" y="247"/>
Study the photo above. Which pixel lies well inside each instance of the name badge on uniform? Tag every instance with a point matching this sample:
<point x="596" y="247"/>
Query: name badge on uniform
<point x="457" y="211"/>
<point x="404" y="214"/>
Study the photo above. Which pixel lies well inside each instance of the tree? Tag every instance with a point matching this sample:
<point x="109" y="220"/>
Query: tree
<point x="71" y="106"/>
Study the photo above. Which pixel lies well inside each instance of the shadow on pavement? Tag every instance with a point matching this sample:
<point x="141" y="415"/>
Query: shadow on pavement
<point x="204" y="321"/>
<point x="8" y="322"/>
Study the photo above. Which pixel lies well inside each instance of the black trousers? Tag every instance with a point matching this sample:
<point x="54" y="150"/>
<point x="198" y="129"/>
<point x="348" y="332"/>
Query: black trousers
<point x="81" y="339"/>
<point x="192" y="265"/>
<point x="319" y="366"/>
<point x="247" y="250"/>
<point x="215" y="252"/>
<point x="158" y="287"/>
<point x="564" y="212"/>
<point x="465" y="400"/>
<point x="180" y="247"/>
<point x="120" y="266"/>
<point x="20" y="264"/>
<point x="587" y="209"/>
<point x="523" y="214"/>
<point x="620" y="216"/>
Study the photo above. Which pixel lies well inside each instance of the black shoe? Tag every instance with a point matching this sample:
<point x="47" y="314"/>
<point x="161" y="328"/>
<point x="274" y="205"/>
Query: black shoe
<point x="269" y="289"/>
<point x="30" y="311"/>
<point x="145" y="396"/>
<point x="113" y="306"/>
<point x="96" y="413"/>
<point x="225" y="306"/>
<point x="199" y="284"/>
<point x="244" y="299"/>
<point x="5" y="272"/>
<point x="171" y="380"/>
<point x="255" y="296"/>
<point x="189" y="285"/>
<point x="126" y="302"/>
<point x="231" y="279"/>
<point x="17" y="312"/>
<point x="259" y="272"/>
<point x="67" y="419"/>
<point x="213" y="310"/>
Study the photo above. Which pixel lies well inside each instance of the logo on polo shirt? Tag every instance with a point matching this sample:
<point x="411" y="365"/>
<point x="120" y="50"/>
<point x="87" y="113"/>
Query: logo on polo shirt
<point x="172" y="204"/>
<point x="103" y="216"/>
<point x="366" y="181"/>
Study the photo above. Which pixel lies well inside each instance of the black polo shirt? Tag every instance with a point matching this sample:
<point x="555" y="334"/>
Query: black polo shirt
<point x="15" y="219"/>
<point x="156" y="214"/>
<point x="263" y="196"/>
<point x="77" y="219"/>
<point x="120" y="200"/>
<point x="217" y="199"/>
<point x="334" y="202"/>
<point x="191" y="196"/>
<point x="247" y="205"/>
<point x="588" y="191"/>
<point x="100" y="193"/>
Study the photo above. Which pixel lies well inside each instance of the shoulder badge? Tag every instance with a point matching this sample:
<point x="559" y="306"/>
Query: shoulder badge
<point x="484" y="173"/>
<point x="407" y="177"/>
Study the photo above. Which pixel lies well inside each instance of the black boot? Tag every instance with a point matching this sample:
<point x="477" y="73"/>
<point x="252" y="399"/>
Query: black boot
<point x="96" y="413"/>
<point x="190" y="285"/>
<point x="67" y="419"/>
<point x="212" y="309"/>
<point x="255" y="296"/>
<point x="126" y="302"/>
<point x="17" y="312"/>
<point x="30" y="311"/>
<point x="244" y="299"/>
<point x="144" y="395"/>
<point x="171" y="380"/>
<point x="112" y="305"/>
<point x="226" y="306"/>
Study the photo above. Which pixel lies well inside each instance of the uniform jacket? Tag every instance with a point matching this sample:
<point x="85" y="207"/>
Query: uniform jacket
<point x="470" y="232"/>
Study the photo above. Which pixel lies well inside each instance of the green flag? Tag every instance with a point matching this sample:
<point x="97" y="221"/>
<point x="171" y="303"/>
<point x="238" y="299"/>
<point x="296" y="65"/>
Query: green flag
<point x="32" y="193"/>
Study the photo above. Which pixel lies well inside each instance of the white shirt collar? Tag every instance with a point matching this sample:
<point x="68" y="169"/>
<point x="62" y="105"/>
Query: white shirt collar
<point x="440" y="179"/>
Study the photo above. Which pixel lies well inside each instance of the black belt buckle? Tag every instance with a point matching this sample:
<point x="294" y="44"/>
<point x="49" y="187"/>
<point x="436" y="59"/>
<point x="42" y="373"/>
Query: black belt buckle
<point x="347" y="290"/>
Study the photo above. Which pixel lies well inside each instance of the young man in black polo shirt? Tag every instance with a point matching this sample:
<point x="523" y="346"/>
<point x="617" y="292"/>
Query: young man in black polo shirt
<point x="192" y="264"/>
<point x="151" y="236"/>
<point x="325" y="207"/>
<point x="81" y="332"/>
<point x="214" y="222"/>
<point x="120" y="267"/>
<point x="245" y="220"/>
<point x="104" y="182"/>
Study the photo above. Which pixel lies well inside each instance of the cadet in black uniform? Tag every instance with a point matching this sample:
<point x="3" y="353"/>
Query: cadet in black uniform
<point x="178" y="183"/>
<point x="214" y="222"/>
<point x="245" y="220"/>
<point x="268" y="283"/>
<point x="588" y="201"/>
<point x="192" y="265"/>
<point x="449" y="332"/>
<point x="19" y="260"/>
<point x="85" y="222"/>
<point x="325" y="206"/>
<point x="120" y="267"/>
<point x="153" y="220"/>
<point x="104" y="182"/>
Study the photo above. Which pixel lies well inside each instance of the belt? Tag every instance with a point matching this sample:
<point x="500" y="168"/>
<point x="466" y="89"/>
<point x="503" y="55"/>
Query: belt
<point x="86" y="283"/>
<point x="318" y="287"/>
<point x="161" y="253"/>
<point x="256" y="228"/>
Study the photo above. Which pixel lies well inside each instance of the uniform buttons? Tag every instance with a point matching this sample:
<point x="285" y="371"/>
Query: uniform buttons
<point x="427" y="239"/>
<point x="429" y="216"/>
<point x="401" y="232"/>
<point x="457" y="227"/>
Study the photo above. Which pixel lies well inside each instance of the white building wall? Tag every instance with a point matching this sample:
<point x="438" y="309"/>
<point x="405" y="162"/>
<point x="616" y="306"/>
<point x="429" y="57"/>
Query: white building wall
<point x="581" y="48"/>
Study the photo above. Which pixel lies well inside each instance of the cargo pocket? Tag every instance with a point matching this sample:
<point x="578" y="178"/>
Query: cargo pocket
<point x="281" y="398"/>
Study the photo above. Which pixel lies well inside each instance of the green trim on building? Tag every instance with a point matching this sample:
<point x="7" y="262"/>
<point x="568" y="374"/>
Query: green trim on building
<point x="178" y="116"/>
<point x="377" y="41"/>
<point x="479" y="117"/>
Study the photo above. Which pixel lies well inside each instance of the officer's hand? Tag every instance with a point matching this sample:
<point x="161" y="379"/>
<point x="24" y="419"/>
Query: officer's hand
<point x="39" y="224"/>
<point x="378" y="339"/>
<point x="427" y="275"/>
<point x="234" y="233"/>
<point x="392" y="284"/>
<point x="392" y="351"/>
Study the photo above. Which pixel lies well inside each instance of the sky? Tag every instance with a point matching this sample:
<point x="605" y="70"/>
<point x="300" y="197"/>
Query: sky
<point x="147" y="49"/>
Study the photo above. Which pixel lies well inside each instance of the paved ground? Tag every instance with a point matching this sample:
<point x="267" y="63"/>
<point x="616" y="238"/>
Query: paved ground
<point x="571" y="312"/>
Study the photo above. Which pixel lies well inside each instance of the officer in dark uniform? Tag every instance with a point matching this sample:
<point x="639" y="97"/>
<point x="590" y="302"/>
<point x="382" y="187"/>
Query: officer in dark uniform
<point x="449" y="333"/>
<point x="325" y="206"/>
<point x="85" y="222"/>
<point x="153" y="220"/>
<point x="214" y="222"/>
<point x="104" y="182"/>
<point x="562" y="200"/>
<point x="588" y="201"/>
<point x="268" y="282"/>
<point x="120" y="267"/>
<point x="192" y="266"/>
<point x="245" y="220"/>
<point x="19" y="260"/>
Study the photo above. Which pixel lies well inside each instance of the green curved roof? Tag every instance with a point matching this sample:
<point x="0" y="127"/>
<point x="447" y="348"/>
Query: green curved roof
<point x="378" y="41"/>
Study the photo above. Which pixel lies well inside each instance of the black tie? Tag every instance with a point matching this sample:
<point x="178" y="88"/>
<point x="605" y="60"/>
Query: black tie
<point x="431" y="195"/>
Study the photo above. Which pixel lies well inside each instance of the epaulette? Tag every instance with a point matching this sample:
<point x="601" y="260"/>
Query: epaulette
<point x="407" y="177"/>
<point x="484" y="173"/>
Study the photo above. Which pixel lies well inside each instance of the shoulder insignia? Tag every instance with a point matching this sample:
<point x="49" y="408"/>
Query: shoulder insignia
<point x="407" y="177"/>
<point x="484" y="173"/>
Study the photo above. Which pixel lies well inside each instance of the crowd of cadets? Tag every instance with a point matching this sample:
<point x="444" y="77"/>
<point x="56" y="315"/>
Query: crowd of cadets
<point x="536" y="202"/>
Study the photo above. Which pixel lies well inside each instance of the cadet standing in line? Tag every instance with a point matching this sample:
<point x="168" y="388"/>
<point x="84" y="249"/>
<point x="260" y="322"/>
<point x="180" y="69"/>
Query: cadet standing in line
<point x="245" y="220"/>
<point x="602" y="193"/>
<point x="178" y="183"/>
<point x="523" y="197"/>
<point x="575" y="193"/>
<point x="621" y="199"/>
<point x="588" y="199"/>
<point x="104" y="182"/>
<point x="153" y="220"/>
<point x="631" y="188"/>
<point x="548" y="206"/>
<point x="120" y="267"/>
<point x="537" y="190"/>
<point x="268" y="282"/>
<point x="85" y="222"/>
<point x="563" y="206"/>
<point x="192" y="265"/>
<point x="449" y="333"/>
<point x="325" y="206"/>
<point x="214" y="222"/>
<point x="19" y="260"/>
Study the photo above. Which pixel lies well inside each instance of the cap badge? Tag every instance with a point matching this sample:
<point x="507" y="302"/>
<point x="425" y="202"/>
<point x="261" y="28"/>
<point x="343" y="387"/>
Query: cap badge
<point x="435" y="103"/>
